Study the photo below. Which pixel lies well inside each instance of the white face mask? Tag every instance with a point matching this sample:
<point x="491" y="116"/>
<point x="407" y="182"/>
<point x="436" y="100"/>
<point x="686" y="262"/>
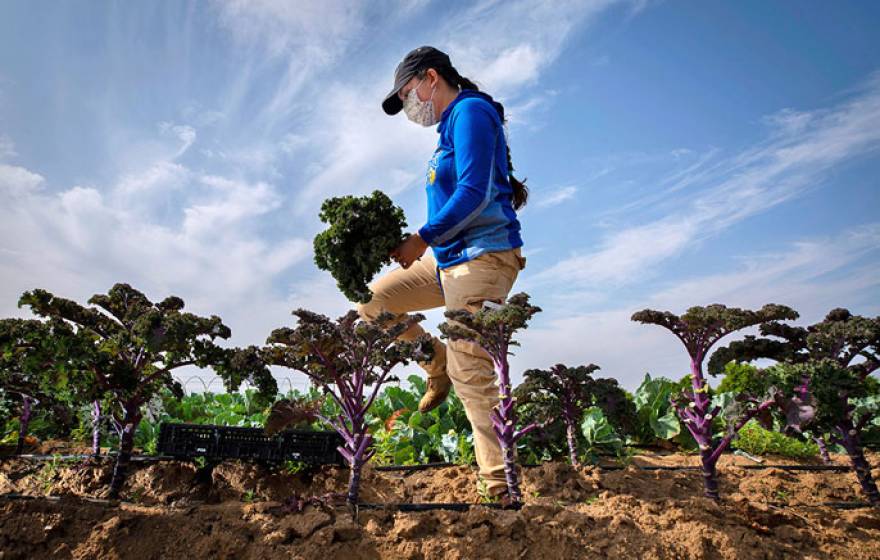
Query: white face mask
<point x="418" y="111"/>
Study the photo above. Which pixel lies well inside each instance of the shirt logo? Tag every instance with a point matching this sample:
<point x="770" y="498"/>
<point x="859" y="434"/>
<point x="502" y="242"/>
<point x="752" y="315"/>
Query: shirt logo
<point x="432" y="167"/>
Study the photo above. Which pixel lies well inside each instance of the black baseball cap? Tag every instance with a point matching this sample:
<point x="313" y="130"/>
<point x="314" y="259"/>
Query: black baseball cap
<point x="415" y="60"/>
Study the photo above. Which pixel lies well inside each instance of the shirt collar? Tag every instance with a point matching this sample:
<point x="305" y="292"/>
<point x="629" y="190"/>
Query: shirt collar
<point x="463" y="94"/>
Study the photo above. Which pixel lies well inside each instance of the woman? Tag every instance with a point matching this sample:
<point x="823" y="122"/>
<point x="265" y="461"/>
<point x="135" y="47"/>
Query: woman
<point x="472" y="230"/>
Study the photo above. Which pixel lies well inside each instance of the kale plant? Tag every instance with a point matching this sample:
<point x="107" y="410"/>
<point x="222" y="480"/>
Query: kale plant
<point x="349" y="360"/>
<point x="362" y="233"/>
<point x="36" y="360"/>
<point x="492" y="328"/>
<point x="699" y="329"/>
<point x="563" y="393"/>
<point x="829" y="362"/>
<point x="136" y="346"/>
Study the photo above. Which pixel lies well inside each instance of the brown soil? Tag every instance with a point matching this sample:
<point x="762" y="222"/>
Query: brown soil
<point x="235" y="512"/>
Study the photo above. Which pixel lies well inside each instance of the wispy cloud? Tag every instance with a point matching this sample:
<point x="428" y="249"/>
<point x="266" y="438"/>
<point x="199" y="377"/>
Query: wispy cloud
<point x="556" y="196"/>
<point x="779" y="169"/>
<point x="506" y="45"/>
<point x="812" y="275"/>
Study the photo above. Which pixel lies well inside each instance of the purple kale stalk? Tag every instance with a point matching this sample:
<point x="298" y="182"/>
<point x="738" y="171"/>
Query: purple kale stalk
<point x="699" y="329"/>
<point x="831" y="362"/>
<point x="492" y="328"/>
<point x="349" y="360"/>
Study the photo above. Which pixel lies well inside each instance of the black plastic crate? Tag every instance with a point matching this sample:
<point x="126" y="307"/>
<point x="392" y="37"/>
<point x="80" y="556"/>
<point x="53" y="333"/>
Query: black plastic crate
<point x="187" y="441"/>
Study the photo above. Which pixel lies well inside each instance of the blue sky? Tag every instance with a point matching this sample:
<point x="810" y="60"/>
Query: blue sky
<point x="677" y="153"/>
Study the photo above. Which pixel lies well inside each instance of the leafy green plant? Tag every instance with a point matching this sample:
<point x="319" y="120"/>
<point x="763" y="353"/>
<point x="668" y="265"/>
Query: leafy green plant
<point x="562" y="393"/>
<point x="350" y="361"/>
<point x="699" y="329"/>
<point x="136" y="346"/>
<point x="599" y="435"/>
<point x="483" y="492"/>
<point x="361" y="233"/>
<point x="48" y="473"/>
<point x="36" y="360"/>
<point x="403" y="435"/>
<point x="827" y="365"/>
<point x="656" y="414"/>
<point x="754" y="439"/>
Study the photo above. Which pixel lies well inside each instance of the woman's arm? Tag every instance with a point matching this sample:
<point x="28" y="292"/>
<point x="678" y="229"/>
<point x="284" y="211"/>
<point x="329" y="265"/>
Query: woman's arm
<point x="474" y="137"/>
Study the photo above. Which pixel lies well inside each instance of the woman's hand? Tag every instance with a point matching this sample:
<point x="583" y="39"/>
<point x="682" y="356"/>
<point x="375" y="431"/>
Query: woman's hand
<point x="411" y="250"/>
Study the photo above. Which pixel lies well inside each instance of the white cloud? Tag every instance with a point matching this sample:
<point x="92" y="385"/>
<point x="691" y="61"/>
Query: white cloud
<point x="363" y="149"/>
<point x="184" y="133"/>
<point x="80" y="240"/>
<point x="294" y="41"/>
<point x="506" y="45"/>
<point x="557" y="196"/>
<point x="16" y="180"/>
<point x="517" y="65"/>
<point x="310" y="27"/>
<point x="231" y="203"/>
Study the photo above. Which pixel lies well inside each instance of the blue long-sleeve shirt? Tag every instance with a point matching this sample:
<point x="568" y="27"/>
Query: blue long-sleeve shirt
<point x="469" y="195"/>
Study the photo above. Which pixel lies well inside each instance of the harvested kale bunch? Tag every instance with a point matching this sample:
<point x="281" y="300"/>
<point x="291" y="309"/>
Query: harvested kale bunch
<point x="363" y="231"/>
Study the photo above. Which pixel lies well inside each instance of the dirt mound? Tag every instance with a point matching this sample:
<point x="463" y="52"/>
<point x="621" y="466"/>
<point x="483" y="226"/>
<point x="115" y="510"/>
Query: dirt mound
<point x="235" y="511"/>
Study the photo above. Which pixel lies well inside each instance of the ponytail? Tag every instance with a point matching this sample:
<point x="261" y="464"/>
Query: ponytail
<point x="520" y="191"/>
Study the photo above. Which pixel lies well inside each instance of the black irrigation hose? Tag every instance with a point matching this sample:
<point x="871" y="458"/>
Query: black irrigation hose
<point x="420" y="467"/>
<point x="102" y="457"/>
<point x="448" y="506"/>
<point x="809" y="468"/>
<point x="428" y="466"/>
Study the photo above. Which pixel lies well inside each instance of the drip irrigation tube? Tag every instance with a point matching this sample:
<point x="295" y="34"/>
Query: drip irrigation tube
<point x="102" y="457"/>
<point x="448" y="506"/>
<point x="428" y="466"/>
<point x="808" y="468"/>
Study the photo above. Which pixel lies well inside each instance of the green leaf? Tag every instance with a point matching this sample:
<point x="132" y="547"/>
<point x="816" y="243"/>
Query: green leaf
<point x="415" y="420"/>
<point x="666" y="426"/>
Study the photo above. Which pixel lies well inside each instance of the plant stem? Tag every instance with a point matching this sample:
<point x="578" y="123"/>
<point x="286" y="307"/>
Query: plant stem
<point x="509" y="454"/>
<point x="96" y="428"/>
<point x="354" y="481"/>
<point x="823" y="449"/>
<point x="24" y="422"/>
<point x="572" y="442"/>
<point x="126" y="444"/>
<point x="852" y="443"/>
<point x="710" y="475"/>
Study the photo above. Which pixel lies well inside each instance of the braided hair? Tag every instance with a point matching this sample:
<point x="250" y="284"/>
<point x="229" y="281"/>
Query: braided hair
<point x="451" y="75"/>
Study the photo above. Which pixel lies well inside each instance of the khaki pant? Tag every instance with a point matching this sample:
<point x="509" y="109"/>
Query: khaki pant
<point x="490" y="276"/>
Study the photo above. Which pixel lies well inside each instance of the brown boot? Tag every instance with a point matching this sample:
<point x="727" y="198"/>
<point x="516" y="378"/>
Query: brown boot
<point x="438" y="389"/>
